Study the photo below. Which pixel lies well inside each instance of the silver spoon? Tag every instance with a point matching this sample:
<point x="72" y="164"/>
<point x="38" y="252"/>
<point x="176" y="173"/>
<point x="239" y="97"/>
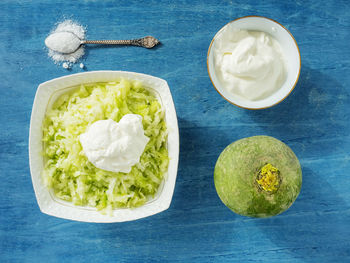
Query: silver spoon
<point x="67" y="42"/>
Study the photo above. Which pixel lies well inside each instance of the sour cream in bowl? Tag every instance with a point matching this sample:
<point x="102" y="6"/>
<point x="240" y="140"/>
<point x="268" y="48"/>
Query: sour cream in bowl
<point x="254" y="62"/>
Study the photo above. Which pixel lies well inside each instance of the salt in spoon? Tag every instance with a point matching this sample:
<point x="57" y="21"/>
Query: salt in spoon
<point x="67" y="42"/>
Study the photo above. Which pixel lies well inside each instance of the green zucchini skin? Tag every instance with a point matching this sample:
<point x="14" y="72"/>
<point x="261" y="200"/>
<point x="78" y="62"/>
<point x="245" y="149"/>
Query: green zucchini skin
<point x="236" y="170"/>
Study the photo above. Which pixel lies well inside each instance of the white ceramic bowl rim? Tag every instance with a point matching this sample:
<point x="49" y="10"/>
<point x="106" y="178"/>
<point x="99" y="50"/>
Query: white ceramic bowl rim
<point x="53" y="206"/>
<point x="253" y="105"/>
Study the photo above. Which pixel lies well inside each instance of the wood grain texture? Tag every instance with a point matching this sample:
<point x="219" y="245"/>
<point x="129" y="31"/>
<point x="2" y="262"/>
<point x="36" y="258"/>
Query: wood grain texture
<point x="313" y="121"/>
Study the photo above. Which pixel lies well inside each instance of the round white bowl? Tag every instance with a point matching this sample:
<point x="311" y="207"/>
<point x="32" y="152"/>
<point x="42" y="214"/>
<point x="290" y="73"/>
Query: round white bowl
<point x="290" y="50"/>
<point x="46" y="94"/>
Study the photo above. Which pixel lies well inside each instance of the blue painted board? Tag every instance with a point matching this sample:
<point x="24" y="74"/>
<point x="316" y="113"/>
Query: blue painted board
<point x="313" y="121"/>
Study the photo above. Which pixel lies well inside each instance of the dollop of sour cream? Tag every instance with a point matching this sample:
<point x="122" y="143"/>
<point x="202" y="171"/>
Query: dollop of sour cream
<point x="113" y="146"/>
<point x="250" y="64"/>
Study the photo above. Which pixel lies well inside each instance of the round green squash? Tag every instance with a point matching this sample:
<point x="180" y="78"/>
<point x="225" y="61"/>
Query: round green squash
<point x="258" y="176"/>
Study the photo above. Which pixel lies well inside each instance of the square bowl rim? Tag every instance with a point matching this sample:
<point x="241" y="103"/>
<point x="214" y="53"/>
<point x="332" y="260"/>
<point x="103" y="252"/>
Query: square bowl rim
<point x="53" y="208"/>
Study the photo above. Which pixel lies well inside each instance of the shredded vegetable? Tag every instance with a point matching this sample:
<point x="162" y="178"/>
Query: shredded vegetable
<point x="67" y="170"/>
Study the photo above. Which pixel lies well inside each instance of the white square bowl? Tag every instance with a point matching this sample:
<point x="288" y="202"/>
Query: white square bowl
<point x="46" y="94"/>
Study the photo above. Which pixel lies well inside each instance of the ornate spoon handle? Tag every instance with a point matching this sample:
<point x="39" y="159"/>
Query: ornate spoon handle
<point x="147" y="42"/>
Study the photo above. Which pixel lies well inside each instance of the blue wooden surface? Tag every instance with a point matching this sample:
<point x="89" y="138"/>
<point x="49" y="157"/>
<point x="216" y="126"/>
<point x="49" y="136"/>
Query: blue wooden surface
<point x="313" y="120"/>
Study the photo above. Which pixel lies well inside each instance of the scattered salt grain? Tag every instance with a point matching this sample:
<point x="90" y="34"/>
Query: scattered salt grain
<point x="65" y="65"/>
<point x="67" y="41"/>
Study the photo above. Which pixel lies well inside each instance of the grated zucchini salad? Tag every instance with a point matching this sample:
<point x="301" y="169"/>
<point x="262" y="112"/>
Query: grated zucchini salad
<point x="67" y="170"/>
